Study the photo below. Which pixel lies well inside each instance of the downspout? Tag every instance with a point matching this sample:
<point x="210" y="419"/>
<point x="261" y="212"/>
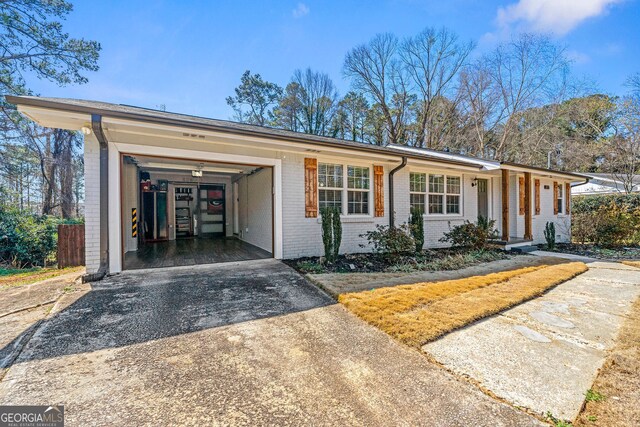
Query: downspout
<point x="103" y="269"/>
<point x="392" y="212"/>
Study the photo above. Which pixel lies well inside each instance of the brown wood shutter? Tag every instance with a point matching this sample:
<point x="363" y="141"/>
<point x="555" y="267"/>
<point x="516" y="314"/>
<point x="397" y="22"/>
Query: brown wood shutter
<point x="521" y="195"/>
<point x="378" y="190"/>
<point x="310" y="188"/>
<point x="567" y="198"/>
<point x="537" y="196"/>
<point x="555" y="198"/>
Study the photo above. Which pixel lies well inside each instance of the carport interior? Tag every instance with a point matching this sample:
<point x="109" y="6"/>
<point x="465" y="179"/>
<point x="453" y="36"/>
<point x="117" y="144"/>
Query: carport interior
<point x="179" y="212"/>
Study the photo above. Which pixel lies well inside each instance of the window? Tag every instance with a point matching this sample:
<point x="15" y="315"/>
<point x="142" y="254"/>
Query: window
<point x="453" y="194"/>
<point x="332" y="187"/>
<point x="358" y="193"/>
<point x="417" y="190"/>
<point x="330" y="183"/>
<point x="442" y="194"/>
<point x="560" y="200"/>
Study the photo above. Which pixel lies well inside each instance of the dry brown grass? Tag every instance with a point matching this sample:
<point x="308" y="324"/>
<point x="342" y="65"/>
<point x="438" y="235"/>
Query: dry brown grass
<point x="632" y="263"/>
<point x="416" y="314"/>
<point x="618" y="381"/>
<point x="20" y="278"/>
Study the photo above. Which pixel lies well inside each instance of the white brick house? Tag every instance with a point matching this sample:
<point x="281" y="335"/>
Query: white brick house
<point x="152" y="176"/>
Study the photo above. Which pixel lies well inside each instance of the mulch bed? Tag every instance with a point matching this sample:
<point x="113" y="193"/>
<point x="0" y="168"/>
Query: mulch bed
<point x="378" y="263"/>
<point x="593" y="251"/>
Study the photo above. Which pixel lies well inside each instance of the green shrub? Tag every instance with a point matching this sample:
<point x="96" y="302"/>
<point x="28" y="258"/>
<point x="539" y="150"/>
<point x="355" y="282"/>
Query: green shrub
<point x="336" y="224"/>
<point x="27" y="240"/>
<point x="470" y="235"/>
<point x="390" y="240"/>
<point x="331" y="233"/>
<point x="550" y="235"/>
<point x="310" y="267"/>
<point x="417" y="229"/>
<point x="580" y="204"/>
<point x="453" y="261"/>
<point x="607" y="221"/>
<point x="616" y="225"/>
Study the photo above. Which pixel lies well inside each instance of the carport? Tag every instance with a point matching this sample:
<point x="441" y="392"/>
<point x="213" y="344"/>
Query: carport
<point x="188" y="212"/>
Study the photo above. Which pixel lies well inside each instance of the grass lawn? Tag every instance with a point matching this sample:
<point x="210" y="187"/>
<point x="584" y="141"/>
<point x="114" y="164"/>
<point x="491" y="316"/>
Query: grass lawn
<point x="632" y="263"/>
<point x="614" y="399"/>
<point x="419" y="313"/>
<point x="10" y="277"/>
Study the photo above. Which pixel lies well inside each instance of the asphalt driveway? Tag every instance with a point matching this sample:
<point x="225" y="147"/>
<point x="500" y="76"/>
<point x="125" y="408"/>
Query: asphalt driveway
<point x="249" y="343"/>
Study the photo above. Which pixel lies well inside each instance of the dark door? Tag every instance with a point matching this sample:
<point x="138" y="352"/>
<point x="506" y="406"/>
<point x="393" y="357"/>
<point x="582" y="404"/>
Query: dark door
<point x="483" y="198"/>
<point x="212" y="210"/>
<point x="154" y="215"/>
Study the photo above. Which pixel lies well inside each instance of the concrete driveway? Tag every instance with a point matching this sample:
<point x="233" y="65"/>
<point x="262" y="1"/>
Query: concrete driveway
<point x="250" y="343"/>
<point x="544" y="354"/>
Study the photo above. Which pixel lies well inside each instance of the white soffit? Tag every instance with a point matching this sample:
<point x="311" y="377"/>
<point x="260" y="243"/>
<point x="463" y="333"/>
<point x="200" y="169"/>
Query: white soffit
<point x="119" y="129"/>
<point x="57" y="119"/>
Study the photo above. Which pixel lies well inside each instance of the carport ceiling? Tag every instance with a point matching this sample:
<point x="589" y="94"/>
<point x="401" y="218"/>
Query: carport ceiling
<point x="161" y="164"/>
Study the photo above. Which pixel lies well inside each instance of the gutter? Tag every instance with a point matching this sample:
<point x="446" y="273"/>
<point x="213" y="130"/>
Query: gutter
<point x="103" y="269"/>
<point x="392" y="212"/>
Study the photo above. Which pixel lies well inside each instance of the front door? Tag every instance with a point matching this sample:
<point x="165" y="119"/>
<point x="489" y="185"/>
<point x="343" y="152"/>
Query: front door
<point x="212" y="210"/>
<point x="483" y="198"/>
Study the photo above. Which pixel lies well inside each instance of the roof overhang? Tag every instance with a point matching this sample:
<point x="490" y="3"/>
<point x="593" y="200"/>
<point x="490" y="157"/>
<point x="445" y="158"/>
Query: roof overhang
<point x="75" y="115"/>
<point x="544" y="172"/>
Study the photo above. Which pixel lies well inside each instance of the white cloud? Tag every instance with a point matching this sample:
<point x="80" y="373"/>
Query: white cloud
<point x="551" y="16"/>
<point x="300" y="10"/>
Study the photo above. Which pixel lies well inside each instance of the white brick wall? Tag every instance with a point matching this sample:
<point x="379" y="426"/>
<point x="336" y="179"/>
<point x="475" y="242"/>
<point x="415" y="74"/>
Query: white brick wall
<point x="92" y="203"/>
<point x="562" y="222"/>
<point x="435" y="226"/>
<point x="538" y="222"/>
<point x="303" y="236"/>
<point x="495" y="194"/>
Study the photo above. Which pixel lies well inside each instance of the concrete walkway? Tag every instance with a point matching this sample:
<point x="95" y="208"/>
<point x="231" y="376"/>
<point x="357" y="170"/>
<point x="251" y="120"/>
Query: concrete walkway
<point x="562" y="255"/>
<point x="544" y="354"/>
<point x="248" y="343"/>
<point x="22" y="308"/>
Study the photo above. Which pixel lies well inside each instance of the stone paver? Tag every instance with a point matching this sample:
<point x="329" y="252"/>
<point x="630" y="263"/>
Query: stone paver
<point x="544" y="354"/>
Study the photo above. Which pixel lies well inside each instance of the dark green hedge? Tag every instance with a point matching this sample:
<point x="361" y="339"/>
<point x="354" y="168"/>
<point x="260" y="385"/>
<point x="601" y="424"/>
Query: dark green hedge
<point x="606" y="220"/>
<point x="28" y="240"/>
<point x="584" y="204"/>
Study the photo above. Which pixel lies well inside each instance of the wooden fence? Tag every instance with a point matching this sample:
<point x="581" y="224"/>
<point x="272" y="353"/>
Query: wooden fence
<point x="70" y="245"/>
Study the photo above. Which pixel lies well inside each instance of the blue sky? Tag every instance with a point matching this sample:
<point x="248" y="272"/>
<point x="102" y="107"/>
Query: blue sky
<point x="189" y="55"/>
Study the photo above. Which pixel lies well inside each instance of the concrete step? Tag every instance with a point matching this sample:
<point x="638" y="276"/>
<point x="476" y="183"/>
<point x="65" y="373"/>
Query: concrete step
<point x="524" y="249"/>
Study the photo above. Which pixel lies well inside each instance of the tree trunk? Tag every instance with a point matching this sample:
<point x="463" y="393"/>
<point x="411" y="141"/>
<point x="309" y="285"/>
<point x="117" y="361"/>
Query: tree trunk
<point x="66" y="180"/>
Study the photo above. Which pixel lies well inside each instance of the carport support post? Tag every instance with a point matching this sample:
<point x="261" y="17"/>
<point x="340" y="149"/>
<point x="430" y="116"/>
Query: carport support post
<point x="505" y="205"/>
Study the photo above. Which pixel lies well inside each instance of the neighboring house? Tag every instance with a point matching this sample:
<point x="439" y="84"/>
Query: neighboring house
<point x="606" y="183"/>
<point x="153" y="177"/>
